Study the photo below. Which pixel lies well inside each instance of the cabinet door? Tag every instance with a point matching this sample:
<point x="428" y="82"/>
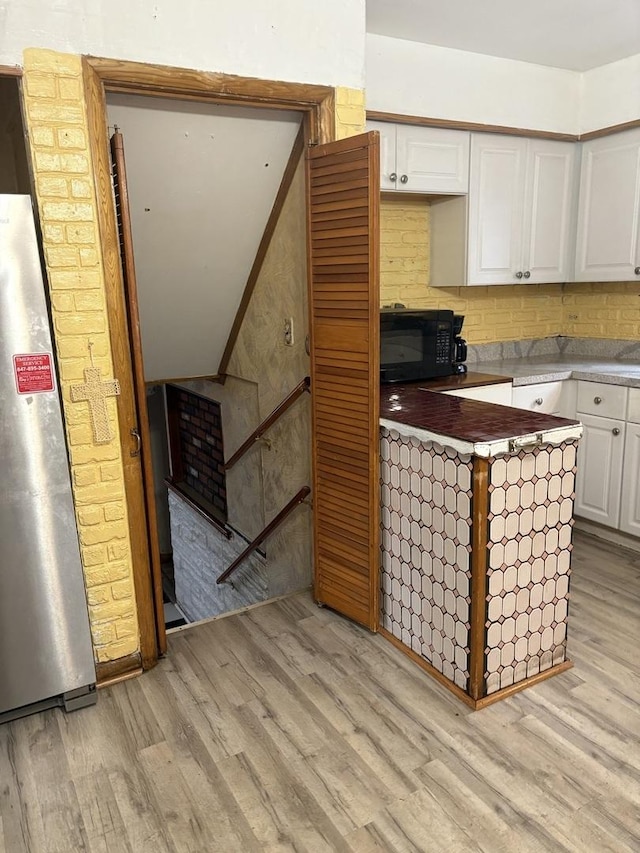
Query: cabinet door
<point x="387" y="133"/>
<point x="599" y="476"/>
<point x="432" y="159"/>
<point x="549" y="210"/>
<point x="496" y="204"/>
<point x="609" y="203"/>
<point x="630" y="505"/>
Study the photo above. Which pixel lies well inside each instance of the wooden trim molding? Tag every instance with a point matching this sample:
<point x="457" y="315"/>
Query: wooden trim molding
<point x="263" y="248"/>
<point x="425" y="121"/>
<point x="608" y="131"/>
<point x="478" y="127"/>
<point x="423" y="664"/>
<point x="479" y="533"/>
<point x="10" y="71"/>
<point x="112" y="671"/>
<point x="122" y="362"/>
<point x="522" y="685"/>
<point x="166" y="80"/>
<point x="484" y="702"/>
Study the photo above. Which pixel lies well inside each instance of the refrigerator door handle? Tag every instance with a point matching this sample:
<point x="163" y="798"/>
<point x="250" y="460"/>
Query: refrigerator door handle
<point x="136" y="434"/>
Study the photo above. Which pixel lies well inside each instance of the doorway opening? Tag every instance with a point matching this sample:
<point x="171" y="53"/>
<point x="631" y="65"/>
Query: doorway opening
<point x="14" y="165"/>
<point x="201" y="185"/>
<point x="316" y="105"/>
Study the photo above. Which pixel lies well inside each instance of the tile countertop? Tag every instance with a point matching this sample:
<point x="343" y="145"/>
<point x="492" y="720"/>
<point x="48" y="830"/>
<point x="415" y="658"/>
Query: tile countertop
<point x="469" y="426"/>
<point x="544" y="368"/>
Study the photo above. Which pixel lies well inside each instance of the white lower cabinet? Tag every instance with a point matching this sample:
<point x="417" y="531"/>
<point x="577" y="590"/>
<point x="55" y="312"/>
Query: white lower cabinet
<point x="599" y="475"/>
<point x="499" y="393"/>
<point x="630" y="504"/>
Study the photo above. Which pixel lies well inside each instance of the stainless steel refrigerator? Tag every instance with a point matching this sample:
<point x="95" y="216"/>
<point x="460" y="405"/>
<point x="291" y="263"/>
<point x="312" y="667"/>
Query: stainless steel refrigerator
<point x="46" y="654"/>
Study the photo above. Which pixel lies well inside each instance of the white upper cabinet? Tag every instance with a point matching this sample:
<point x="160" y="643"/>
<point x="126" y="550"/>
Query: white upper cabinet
<point x="522" y="196"/>
<point x="608" y="245"/>
<point x="422" y="159"/>
<point x="496" y="206"/>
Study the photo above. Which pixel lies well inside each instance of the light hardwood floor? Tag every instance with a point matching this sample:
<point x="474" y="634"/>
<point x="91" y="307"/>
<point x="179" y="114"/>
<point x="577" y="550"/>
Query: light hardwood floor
<point x="287" y="728"/>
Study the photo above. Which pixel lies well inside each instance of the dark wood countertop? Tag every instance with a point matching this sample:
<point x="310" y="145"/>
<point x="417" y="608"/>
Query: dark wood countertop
<point x="450" y="383"/>
<point x="457" y="417"/>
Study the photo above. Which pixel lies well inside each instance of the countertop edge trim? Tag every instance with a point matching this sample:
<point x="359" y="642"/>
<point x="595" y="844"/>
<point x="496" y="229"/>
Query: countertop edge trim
<point x="483" y="449"/>
<point x="583" y="375"/>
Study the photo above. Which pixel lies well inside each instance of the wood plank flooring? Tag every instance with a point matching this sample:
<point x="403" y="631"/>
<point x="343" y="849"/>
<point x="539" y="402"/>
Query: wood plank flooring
<point x="288" y="728"/>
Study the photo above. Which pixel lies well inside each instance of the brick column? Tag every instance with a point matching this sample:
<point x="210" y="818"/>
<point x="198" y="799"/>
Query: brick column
<point x="351" y="116"/>
<point x="58" y="136"/>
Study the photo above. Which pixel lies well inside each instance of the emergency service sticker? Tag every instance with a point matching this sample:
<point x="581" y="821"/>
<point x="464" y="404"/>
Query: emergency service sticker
<point x="34" y="372"/>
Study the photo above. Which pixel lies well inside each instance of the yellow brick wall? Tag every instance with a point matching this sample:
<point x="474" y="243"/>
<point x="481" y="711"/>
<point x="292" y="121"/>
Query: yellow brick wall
<point x="602" y="310"/>
<point x="58" y="132"/>
<point x="498" y="313"/>
<point x="351" y="116"/>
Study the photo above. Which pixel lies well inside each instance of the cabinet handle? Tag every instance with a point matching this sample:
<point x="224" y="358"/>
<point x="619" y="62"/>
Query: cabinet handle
<point x="404" y="179"/>
<point x="615" y="431"/>
<point x="519" y="274"/>
<point x="527" y="274"/>
<point x="637" y="270"/>
<point x="597" y="400"/>
<point x="393" y="177"/>
<point x="538" y="401"/>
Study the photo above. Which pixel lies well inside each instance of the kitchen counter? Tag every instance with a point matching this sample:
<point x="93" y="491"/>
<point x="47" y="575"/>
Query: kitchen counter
<point x="477" y="514"/>
<point x="531" y="369"/>
<point x="469" y="426"/>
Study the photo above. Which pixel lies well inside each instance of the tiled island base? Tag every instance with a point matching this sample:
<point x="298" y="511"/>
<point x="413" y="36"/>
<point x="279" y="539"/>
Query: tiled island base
<point x="476" y="561"/>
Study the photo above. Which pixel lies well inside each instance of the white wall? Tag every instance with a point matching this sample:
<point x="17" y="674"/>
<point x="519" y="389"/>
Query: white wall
<point x="425" y="80"/>
<point x="202" y="180"/>
<point x="610" y="94"/>
<point x="295" y="40"/>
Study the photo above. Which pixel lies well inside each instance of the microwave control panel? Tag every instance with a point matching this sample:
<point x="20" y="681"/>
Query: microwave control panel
<point x="443" y="344"/>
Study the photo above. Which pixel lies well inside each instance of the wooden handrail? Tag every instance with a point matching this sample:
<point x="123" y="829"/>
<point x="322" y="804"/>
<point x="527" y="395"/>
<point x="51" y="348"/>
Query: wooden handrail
<point x="301" y="387"/>
<point x="280" y="517"/>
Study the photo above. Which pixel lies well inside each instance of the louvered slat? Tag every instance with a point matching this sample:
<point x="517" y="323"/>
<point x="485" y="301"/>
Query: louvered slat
<point x="343" y="186"/>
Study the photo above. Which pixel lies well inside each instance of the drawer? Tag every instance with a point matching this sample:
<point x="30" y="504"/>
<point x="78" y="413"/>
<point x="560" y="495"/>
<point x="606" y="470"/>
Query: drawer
<point x="499" y="393"/>
<point x="605" y="401"/>
<point x="542" y="397"/>
<point x="634" y="406"/>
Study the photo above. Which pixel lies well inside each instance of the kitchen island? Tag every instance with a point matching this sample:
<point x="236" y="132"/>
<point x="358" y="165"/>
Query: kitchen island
<point x="477" y="516"/>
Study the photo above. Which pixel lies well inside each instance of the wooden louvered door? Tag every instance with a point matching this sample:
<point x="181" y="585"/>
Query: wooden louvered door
<point x="151" y="611"/>
<point x="343" y="182"/>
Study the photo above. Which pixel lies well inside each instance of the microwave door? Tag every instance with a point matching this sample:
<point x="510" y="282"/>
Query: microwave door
<point x="401" y="346"/>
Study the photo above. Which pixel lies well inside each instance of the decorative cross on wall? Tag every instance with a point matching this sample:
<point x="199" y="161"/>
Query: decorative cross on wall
<point x="95" y="392"/>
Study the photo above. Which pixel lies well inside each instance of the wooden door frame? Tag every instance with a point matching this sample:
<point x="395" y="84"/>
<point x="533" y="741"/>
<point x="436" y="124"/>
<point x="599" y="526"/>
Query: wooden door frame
<point x="317" y="103"/>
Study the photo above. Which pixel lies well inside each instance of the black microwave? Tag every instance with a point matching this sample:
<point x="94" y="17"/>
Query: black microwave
<point x="420" y="344"/>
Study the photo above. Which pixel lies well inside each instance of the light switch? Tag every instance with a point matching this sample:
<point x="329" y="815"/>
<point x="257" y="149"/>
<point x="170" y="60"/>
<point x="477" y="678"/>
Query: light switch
<point x="288" y="331"/>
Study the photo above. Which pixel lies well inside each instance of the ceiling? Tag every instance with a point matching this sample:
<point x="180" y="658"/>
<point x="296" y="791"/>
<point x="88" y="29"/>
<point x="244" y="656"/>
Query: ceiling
<point x="572" y="34"/>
